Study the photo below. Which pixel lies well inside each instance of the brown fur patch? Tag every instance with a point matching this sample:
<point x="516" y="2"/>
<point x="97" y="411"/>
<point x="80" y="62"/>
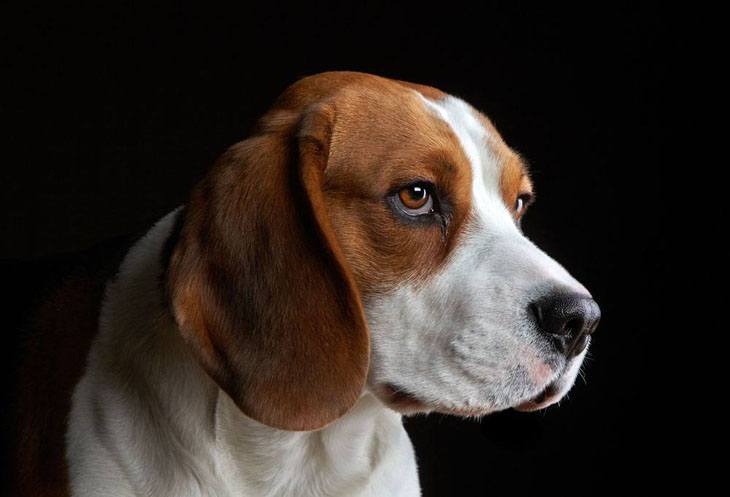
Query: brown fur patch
<point x="385" y="139"/>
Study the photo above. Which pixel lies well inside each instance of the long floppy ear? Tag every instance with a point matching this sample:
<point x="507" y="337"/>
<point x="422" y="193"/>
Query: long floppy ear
<point x="259" y="286"/>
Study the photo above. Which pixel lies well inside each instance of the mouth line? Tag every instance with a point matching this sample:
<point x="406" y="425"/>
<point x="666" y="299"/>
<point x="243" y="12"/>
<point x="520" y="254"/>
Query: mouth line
<point x="407" y="403"/>
<point x="401" y="399"/>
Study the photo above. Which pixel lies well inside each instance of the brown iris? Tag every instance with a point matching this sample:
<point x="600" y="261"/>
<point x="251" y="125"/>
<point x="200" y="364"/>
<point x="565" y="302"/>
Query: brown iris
<point x="416" y="201"/>
<point x="414" y="197"/>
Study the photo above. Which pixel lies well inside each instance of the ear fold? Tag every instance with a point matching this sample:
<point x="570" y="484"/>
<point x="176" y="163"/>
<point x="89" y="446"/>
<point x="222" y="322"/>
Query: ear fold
<point x="259" y="286"/>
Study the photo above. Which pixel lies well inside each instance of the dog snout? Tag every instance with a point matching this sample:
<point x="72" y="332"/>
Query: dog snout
<point x="568" y="319"/>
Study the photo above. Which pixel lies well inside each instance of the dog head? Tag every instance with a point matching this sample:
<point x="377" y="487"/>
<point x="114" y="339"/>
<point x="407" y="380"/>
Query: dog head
<point x="367" y="236"/>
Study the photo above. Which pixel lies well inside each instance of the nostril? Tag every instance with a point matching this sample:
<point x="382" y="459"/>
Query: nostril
<point x="573" y="327"/>
<point x="536" y="312"/>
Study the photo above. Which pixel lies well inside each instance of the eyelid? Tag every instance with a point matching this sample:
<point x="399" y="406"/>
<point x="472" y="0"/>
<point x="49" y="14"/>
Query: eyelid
<point x="400" y="185"/>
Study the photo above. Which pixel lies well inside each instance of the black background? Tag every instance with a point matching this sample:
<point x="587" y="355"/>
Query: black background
<point x="111" y="113"/>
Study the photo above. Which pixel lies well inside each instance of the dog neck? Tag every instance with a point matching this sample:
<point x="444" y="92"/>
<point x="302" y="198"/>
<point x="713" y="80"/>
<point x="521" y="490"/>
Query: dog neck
<point x="154" y="420"/>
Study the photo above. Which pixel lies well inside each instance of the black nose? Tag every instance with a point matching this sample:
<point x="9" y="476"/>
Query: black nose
<point x="568" y="319"/>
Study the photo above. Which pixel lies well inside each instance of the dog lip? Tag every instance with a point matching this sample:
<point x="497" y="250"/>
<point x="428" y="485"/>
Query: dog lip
<point x="541" y="400"/>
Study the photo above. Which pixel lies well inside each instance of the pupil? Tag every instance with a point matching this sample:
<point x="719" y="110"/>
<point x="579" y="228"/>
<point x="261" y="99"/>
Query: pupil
<point x="417" y="193"/>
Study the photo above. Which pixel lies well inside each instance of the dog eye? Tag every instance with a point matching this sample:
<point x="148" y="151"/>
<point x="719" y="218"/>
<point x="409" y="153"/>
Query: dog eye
<point x="521" y="204"/>
<point x="416" y="199"/>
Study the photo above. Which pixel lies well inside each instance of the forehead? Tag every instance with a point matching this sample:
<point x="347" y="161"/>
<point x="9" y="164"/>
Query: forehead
<point x="396" y="132"/>
<point x="385" y="136"/>
<point x="497" y="171"/>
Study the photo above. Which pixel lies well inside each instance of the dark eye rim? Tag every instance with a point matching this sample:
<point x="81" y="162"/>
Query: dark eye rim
<point x="440" y="210"/>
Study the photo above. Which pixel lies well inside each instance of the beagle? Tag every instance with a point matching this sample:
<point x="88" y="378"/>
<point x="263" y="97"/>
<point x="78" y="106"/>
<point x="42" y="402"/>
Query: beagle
<point x="357" y="258"/>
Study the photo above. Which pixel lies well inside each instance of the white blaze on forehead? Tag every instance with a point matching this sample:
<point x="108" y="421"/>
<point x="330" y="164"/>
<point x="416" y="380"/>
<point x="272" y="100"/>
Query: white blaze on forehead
<point x="476" y="142"/>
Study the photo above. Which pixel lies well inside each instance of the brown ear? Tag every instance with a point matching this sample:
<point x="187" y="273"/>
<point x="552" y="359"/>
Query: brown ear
<point x="259" y="286"/>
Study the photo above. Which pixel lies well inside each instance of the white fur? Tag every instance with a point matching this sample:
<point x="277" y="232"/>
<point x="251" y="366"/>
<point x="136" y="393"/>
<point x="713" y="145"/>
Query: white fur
<point x="147" y="421"/>
<point x="464" y="341"/>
